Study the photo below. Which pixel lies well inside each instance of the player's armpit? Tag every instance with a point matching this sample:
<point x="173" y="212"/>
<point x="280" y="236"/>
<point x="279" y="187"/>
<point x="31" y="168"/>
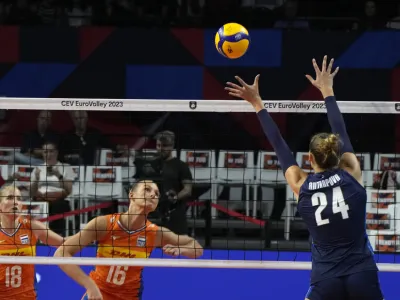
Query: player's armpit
<point x="45" y="235"/>
<point x="295" y="177"/>
<point x="188" y="246"/>
<point x="350" y="163"/>
<point x="95" y="230"/>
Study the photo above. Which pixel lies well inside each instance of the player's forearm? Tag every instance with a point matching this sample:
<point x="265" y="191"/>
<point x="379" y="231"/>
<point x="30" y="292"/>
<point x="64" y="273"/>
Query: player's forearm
<point x="192" y="250"/>
<point x="336" y="121"/>
<point x="281" y="148"/>
<point x="74" y="272"/>
<point x="184" y="193"/>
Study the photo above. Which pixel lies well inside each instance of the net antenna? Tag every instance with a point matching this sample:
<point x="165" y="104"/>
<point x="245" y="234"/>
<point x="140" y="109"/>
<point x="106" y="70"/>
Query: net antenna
<point x="223" y="106"/>
<point x="174" y="263"/>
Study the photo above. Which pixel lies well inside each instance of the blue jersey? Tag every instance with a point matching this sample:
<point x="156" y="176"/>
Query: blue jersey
<point x="333" y="205"/>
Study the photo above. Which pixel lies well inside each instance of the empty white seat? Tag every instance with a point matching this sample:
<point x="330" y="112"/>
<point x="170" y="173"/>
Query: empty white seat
<point x="102" y="184"/>
<point x="365" y="161"/>
<point x="236" y="168"/>
<point x="202" y="165"/>
<point x="267" y="172"/>
<point x="387" y="161"/>
<point x="78" y="192"/>
<point x="303" y="161"/>
<point x="110" y="158"/>
<point x="381" y="198"/>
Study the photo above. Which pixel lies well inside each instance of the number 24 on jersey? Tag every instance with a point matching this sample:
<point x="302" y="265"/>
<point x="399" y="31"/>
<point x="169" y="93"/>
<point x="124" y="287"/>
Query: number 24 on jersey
<point x="338" y="205"/>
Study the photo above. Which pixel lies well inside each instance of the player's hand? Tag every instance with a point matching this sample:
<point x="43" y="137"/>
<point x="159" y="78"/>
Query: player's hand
<point x="172" y="250"/>
<point x="93" y="293"/>
<point x="250" y="93"/>
<point x="324" y="77"/>
<point x="172" y="196"/>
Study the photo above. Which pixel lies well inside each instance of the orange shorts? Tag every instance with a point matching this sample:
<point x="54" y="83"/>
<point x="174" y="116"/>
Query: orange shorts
<point x="109" y="296"/>
<point x="30" y="295"/>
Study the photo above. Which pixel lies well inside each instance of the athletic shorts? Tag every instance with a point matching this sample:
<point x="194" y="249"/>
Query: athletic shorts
<point x="362" y="285"/>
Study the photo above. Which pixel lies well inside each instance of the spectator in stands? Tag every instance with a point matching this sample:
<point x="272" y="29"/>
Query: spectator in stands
<point x="3" y="13"/>
<point x="387" y="180"/>
<point x="31" y="151"/>
<point x="152" y="12"/>
<point x="79" y="13"/>
<point x="395" y="22"/>
<point x="290" y="19"/>
<point x="22" y="13"/>
<point x="49" y="12"/>
<point x="370" y="19"/>
<point x="79" y="146"/>
<point x="176" y="185"/>
<point x="52" y="182"/>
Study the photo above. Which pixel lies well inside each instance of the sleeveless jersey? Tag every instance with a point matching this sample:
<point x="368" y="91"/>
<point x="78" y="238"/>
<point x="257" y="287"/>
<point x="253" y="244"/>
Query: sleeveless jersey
<point x="123" y="282"/>
<point x="17" y="282"/>
<point x="333" y="205"/>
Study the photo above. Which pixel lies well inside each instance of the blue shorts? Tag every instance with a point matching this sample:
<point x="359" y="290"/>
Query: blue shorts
<point x="362" y="285"/>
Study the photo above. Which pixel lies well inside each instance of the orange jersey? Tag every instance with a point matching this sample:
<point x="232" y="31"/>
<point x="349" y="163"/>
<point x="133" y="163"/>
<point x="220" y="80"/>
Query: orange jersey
<point x="122" y="281"/>
<point x="17" y="282"/>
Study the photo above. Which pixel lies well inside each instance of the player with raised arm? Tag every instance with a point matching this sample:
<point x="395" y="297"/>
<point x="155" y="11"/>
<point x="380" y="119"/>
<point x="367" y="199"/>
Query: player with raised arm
<point x="332" y="201"/>
<point x="126" y="235"/>
<point x="18" y="237"/>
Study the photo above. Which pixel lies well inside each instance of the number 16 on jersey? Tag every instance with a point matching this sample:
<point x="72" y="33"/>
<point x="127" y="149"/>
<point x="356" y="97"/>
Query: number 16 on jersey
<point x="338" y="205"/>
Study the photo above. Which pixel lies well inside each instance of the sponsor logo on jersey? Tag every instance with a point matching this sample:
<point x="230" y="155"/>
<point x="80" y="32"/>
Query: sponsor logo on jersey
<point x="141" y="241"/>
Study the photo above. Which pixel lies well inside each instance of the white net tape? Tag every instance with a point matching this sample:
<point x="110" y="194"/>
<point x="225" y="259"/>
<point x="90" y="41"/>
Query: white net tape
<point x="223" y="106"/>
<point x="174" y="263"/>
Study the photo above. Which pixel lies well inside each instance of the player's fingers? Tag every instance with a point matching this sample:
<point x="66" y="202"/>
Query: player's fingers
<point x="235" y="95"/>
<point x="241" y="81"/>
<point x="335" y="72"/>
<point x="329" y="70"/>
<point x="324" y="63"/>
<point x="235" y="86"/>
<point x="233" y="90"/>
<point x="316" y="68"/>
<point x="256" y="80"/>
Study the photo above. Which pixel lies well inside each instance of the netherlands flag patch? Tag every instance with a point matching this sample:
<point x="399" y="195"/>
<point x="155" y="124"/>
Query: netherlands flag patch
<point x="24" y="239"/>
<point x="141" y="241"/>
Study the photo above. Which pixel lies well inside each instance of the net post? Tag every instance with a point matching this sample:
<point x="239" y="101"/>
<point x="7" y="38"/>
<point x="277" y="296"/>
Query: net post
<point x="208" y="224"/>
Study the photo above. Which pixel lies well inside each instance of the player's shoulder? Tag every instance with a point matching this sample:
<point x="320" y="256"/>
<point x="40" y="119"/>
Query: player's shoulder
<point x="25" y="221"/>
<point x="152" y="227"/>
<point x="102" y="222"/>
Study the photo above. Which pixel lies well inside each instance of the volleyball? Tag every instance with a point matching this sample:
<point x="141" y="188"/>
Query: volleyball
<point x="232" y="40"/>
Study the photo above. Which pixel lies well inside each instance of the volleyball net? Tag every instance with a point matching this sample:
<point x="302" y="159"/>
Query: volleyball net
<point x="240" y="207"/>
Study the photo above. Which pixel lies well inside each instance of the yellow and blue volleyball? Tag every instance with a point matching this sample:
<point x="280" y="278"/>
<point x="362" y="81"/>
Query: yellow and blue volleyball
<point x="232" y="40"/>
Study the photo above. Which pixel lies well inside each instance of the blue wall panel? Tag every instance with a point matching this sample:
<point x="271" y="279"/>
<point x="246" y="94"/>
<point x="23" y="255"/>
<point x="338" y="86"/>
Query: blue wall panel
<point x="265" y="50"/>
<point x="34" y="80"/>
<point x="164" y="82"/>
<point x="373" y="50"/>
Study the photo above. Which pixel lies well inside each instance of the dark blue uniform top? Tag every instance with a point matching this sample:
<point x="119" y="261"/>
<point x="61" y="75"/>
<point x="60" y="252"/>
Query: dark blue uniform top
<point x="333" y="205"/>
